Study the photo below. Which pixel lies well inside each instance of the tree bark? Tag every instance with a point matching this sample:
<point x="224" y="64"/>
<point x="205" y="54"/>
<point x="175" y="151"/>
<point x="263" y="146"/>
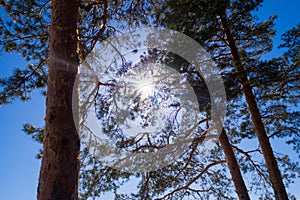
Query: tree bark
<point x="234" y="168"/>
<point x="275" y="176"/>
<point x="59" y="171"/>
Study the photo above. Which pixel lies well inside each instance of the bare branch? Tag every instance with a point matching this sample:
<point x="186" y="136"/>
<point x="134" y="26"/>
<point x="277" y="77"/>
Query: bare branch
<point x="186" y="187"/>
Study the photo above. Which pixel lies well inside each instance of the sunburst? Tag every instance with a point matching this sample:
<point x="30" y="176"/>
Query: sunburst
<point x="145" y="89"/>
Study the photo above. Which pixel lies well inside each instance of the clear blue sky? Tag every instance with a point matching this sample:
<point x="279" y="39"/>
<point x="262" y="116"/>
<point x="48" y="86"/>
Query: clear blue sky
<point x="19" y="169"/>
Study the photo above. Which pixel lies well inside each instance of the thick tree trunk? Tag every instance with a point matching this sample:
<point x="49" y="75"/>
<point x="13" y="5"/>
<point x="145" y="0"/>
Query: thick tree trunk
<point x="234" y="168"/>
<point x="60" y="162"/>
<point x="276" y="179"/>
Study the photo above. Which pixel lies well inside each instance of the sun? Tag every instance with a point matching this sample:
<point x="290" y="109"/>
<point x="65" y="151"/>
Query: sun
<point x="145" y="89"/>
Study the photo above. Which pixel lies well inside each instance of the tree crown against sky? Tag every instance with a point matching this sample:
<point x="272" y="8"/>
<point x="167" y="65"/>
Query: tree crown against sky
<point x="24" y="81"/>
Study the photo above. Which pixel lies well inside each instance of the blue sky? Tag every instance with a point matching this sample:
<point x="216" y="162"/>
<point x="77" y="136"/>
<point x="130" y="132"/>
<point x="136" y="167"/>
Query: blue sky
<point x="19" y="169"/>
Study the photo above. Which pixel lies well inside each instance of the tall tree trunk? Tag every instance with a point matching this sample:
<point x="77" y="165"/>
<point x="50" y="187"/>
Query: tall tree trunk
<point x="60" y="162"/>
<point x="276" y="179"/>
<point x="234" y="167"/>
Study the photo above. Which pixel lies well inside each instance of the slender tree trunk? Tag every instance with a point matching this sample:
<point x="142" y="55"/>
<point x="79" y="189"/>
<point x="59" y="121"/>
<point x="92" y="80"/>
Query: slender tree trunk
<point x="60" y="164"/>
<point x="276" y="179"/>
<point x="234" y="168"/>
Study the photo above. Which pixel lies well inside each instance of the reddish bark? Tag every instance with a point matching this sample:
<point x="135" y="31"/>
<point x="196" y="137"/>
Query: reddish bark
<point x="60" y="162"/>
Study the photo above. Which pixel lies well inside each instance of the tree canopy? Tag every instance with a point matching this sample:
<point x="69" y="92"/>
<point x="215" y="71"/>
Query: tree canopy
<point x="262" y="95"/>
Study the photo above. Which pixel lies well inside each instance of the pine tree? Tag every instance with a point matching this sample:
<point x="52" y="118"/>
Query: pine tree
<point x="25" y="29"/>
<point x="60" y="161"/>
<point x="275" y="175"/>
<point x="228" y="30"/>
